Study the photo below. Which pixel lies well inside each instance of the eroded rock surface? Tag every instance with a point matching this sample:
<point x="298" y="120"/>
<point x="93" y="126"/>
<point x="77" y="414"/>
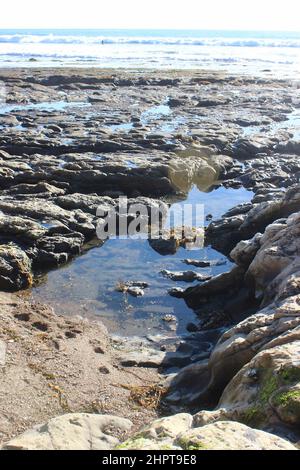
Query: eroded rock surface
<point x="178" y="433"/>
<point x="73" y="432"/>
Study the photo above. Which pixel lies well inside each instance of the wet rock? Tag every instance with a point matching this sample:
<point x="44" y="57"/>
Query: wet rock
<point x="223" y="283"/>
<point x="78" y="431"/>
<point x="134" y="288"/>
<point x="186" y="276"/>
<point x="197" y="263"/>
<point x="57" y="249"/>
<point x="164" y="246"/>
<point x="192" y="327"/>
<point x="176" y="292"/>
<point x="245" y="251"/>
<point x="170" y="318"/>
<point x="167" y="241"/>
<point x="135" y="291"/>
<point x="224" y="234"/>
<point x="15" y="268"/>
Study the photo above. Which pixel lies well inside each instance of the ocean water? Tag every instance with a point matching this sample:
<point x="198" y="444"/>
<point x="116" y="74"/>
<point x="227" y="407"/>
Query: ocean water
<point x="276" y="53"/>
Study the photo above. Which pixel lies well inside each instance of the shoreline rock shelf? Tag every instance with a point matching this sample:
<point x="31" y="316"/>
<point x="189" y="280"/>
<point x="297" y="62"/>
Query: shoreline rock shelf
<point x="237" y="372"/>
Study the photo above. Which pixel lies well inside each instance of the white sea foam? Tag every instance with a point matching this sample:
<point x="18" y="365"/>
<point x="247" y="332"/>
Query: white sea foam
<point x="234" y="51"/>
<point x="154" y="40"/>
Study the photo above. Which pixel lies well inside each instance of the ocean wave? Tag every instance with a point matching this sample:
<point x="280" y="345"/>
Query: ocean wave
<point x="167" y="41"/>
<point x="29" y="56"/>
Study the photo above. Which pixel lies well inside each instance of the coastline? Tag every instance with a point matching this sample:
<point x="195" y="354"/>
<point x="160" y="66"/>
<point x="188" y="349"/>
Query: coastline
<point x="266" y="161"/>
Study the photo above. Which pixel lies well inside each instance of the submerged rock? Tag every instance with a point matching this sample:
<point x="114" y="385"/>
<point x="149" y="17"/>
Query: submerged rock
<point x="134" y="288"/>
<point x="135" y="291"/>
<point x="186" y="276"/>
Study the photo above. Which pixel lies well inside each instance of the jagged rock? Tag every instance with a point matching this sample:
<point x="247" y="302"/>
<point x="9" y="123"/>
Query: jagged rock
<point x="277" y="323"/>
<point x="224" y="234"/>
<point x="15" y="268"/>
<point x="134" y="288"/>
<point x="86" y="202"/>
<point x="78" y="431"/>
<point x="164" y="246"/>
<point x="223" y="283"/>
<point x="245" y="251"/>
<point x="197" y="263"/>
<point x="244" y="148"/>
<point x="21" y="227"/>
<point x="46" y="210"/>
<point x="279" y="248"/>
<point x="135" y="291"/>
<point x="40" y="188"/>
<point x="176" y="292"/>
<point x="57" y="249"/>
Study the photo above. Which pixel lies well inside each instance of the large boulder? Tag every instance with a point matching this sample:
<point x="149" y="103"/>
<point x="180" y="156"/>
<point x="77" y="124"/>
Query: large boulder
<point x="225" y="233"/>
<point x="78" y="431"/>
<point x="178" y="433"/>
<point x="279" y="248"/>
<point x="265" y="393"/>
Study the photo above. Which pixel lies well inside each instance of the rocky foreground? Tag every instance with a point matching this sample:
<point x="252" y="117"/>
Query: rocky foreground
<point x="149" y="136"/>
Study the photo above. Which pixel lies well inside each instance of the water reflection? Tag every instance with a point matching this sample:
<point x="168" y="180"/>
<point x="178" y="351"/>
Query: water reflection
<point x="86" y="286"/>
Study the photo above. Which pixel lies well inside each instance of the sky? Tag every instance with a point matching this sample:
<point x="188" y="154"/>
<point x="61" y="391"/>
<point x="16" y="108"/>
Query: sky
<point x="177" y="14"/>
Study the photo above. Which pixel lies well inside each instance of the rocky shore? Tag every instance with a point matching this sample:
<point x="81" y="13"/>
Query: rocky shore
<point x="71" y="141"/>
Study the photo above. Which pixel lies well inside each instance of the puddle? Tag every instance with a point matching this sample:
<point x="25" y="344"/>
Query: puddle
<point x="121" y="127"/>
<point x="291" y="124"/>
<point x="45" y="106"/>
<point x="86" y="286"/>
<point x="154" y="113"/>
<point x="131" y="164"/>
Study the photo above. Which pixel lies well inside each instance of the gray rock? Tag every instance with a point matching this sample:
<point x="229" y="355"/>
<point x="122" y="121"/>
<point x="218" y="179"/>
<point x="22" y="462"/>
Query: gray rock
<point x="15" y="268"/>
<point x="135" y="291"/>
<point x="78" y="431"/>
<point x="186" y="276"/>
<point x="176" y="433"/>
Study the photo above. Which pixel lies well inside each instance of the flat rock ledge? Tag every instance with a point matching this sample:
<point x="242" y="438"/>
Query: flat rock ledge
<point x="78" y="431"/>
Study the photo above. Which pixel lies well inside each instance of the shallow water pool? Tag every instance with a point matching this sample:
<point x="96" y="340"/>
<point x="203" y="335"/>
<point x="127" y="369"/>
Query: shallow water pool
<point x="86" y="286"/>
